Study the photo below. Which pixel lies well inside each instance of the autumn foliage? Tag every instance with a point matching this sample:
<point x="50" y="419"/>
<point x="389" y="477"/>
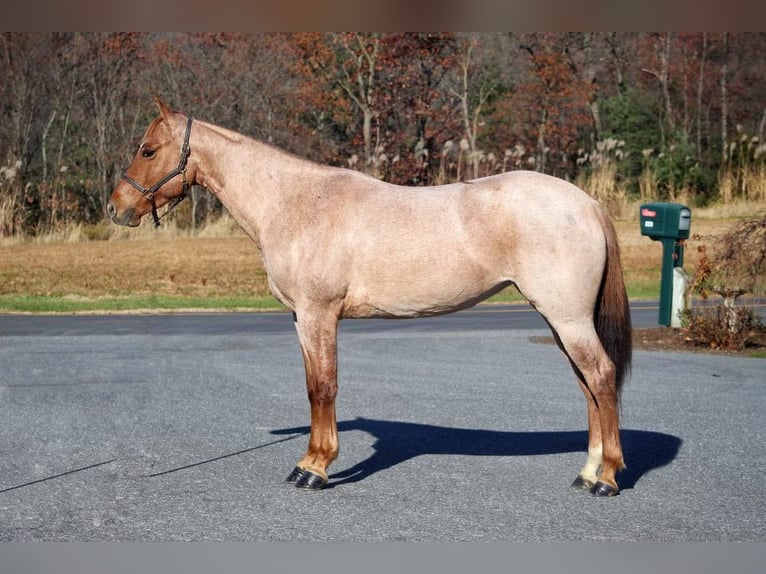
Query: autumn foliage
<point x="646" y="115"/>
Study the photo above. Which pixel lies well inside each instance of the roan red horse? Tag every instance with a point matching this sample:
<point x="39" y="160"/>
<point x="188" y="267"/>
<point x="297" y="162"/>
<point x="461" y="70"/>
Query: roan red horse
<point x="339" y="244"/>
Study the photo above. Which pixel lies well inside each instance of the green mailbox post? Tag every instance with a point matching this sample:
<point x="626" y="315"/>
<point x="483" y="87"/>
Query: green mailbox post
<point x="668" y="223"/>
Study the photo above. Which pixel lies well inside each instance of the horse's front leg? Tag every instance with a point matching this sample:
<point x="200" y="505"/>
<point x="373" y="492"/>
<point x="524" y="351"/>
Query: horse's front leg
<point x="317" y="333"/>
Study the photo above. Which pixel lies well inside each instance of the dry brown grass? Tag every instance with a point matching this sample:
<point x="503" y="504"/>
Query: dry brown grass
<point x="165" y="263"/>
<point x="181" y="266"/>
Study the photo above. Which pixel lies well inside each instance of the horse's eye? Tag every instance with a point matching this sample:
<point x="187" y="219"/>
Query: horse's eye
<point x="147" y="153"/>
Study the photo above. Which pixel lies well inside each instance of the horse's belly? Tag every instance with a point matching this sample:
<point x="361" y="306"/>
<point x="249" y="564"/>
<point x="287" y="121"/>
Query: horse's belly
<point x="413" y="299"/>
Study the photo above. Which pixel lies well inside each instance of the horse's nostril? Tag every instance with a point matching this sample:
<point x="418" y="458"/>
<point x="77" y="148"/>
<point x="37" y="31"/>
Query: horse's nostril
<point x="110" y="209"/>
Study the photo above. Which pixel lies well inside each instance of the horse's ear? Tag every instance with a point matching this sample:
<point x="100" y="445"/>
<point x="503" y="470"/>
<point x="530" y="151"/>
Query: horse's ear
<point x="165" y="111"/>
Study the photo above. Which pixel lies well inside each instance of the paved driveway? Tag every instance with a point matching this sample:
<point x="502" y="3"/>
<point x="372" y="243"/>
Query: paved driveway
<point x="182" y="427"/>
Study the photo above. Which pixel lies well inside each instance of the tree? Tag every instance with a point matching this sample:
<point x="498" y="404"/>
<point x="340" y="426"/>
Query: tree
<point x="688" y="107"/>
<point x="376" y="96"/>
<point x="586" y="54"/>
<point x="556" y="100"/>
<point x="23" y="93"/>
<point x="111" y="64"/>
<point x="419" y="110"/>
<point x="472" y="96"/>
<point x="348" y="64"/>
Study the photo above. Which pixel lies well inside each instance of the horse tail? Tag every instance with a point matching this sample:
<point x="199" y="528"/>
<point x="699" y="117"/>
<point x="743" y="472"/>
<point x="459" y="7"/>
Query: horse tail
<point x="612" y="313"/>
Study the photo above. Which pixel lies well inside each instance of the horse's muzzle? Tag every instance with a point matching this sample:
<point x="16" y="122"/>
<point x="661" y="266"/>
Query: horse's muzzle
<point x="127" y="218"/>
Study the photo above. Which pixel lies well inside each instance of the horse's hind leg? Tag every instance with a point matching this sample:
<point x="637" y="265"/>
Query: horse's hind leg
<point x="317" y="333"/>
<point x="588" y="476"/>
<point x="596" y="375"/>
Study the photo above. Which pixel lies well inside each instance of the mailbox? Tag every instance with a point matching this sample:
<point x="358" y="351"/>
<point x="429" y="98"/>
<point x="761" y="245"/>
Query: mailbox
<point x="669" y="224"/>
<point x="665" y="220"/>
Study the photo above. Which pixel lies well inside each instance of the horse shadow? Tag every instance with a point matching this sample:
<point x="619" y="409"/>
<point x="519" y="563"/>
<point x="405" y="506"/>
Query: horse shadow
<point x="397" y="442"/>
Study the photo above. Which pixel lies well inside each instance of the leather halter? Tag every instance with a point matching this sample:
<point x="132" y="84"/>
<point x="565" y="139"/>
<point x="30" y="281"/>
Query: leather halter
<point x="149" y="192"/>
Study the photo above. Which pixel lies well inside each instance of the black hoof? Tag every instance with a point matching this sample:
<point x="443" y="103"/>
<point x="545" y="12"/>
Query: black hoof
<point x="581" y="483"/>
<point x="295" y="475"/>
<point x="310" y="481"/>
<point x="604" y="489"/>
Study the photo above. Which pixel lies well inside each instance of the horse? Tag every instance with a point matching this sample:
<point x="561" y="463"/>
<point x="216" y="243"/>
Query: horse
<point x="338" y="244"/>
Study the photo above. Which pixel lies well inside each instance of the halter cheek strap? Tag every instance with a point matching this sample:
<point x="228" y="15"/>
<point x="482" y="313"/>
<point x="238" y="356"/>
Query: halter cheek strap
<point x="149" y="192"/>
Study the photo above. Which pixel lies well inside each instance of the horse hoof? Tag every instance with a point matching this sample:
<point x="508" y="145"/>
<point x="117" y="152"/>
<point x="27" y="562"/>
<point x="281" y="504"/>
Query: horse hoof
<point x="295" y="475"/>
<point x="605" y="489"/>
<point x="310" y="481"/>
<point x="581" y="483"/>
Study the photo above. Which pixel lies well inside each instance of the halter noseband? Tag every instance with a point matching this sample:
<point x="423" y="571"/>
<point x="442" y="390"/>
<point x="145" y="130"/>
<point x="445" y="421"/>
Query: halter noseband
<point x="148" y="192"/>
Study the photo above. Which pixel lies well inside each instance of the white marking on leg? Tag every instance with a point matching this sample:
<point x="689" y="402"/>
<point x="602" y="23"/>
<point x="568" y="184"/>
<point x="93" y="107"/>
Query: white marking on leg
<point x="590" y="470"/>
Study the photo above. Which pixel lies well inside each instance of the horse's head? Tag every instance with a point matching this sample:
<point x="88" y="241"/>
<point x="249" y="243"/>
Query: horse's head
<point x="157" y="174"/>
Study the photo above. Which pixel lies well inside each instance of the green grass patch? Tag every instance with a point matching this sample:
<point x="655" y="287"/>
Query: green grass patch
<point x="508" y="295"/>
<point x="643" y="290"/>
<point x="637" y="290"/>
<point x="75" y="304"/>
<point x="46" y="304"/>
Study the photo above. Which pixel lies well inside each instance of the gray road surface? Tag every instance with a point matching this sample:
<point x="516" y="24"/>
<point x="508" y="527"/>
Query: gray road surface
<point x="182" y="427"/>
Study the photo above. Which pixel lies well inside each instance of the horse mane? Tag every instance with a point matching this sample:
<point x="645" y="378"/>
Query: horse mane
<point x="227" y="134"/>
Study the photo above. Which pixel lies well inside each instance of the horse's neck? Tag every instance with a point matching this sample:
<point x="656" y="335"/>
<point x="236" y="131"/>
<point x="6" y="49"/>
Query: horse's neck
<point x="252" y="180"/>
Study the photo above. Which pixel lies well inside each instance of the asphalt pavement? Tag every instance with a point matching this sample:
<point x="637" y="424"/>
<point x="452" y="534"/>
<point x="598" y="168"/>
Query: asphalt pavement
<point x="460" y="428"/>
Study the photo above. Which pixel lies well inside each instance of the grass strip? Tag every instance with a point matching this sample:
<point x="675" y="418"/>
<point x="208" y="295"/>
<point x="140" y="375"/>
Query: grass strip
<point x="50" y="304"/>
<point x="79" y="304"/>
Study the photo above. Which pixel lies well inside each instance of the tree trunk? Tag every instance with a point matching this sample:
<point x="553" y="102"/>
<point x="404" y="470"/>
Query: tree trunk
<point x="700" y="88"/>
<point x="724" y="104"/>
<point x="471" y="114"/>
<point x="665" y="80"/>
<point x="369" y="152"/>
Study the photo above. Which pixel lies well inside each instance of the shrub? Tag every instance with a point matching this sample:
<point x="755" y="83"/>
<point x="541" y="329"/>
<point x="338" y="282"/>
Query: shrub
<point x="735" y="266"/>
<point x="722" y="327"/>
<point x="737" y="263"/>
